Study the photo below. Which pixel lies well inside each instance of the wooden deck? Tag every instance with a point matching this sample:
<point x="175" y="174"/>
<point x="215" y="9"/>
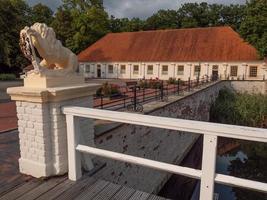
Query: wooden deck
<point x="14" y="185"/>
<point x="61" y="188"/>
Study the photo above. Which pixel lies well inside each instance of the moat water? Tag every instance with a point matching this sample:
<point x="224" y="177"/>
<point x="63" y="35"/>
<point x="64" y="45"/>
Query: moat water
<point x="249" y="161"/>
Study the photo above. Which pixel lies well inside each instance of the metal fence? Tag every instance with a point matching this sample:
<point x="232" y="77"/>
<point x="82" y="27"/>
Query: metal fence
<point x="132" y="98"/>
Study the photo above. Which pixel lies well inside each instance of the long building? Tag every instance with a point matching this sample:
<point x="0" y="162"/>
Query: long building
<point x="178" y="53"/>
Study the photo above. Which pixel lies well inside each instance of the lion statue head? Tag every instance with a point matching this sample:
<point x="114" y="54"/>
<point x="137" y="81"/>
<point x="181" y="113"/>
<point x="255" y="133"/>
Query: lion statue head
<point x="38" y="43"/>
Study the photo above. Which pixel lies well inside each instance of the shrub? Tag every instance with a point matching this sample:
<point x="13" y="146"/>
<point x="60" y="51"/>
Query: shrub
<point x="108" y="90"/>
<point x="154" y="83"/>
<point x="172" y="80"/>
<point x="7" y="77"/>
<point x="240" y="109"/>
<point x="143" y="84"/>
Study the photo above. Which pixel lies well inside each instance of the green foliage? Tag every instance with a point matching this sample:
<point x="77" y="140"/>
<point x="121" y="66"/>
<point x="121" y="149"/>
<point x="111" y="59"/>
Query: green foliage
<point x="163" y="19"/>
<point x="7" y="77"/>
<point x="240" y="109"/>
<point x="172" y="81"/>
<point x="80" y="23"/>
<point x="107" y="90"/>
<point x="254" y="26"/>
<point x="14" y="15"/>
<point x="41" y="13"/>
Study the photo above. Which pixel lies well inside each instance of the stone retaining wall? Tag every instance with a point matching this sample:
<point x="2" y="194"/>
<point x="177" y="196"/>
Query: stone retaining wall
<point x="157" y="144"/>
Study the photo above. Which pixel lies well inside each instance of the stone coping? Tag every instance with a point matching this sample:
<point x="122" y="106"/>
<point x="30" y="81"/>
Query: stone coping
<point x="55" y="94"/>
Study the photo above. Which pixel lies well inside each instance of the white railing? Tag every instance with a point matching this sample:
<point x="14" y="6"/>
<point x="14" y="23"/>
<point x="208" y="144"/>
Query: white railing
<point x="211" y="131"/>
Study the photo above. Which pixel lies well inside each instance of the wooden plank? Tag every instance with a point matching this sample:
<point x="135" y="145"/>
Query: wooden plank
<point x="240" y="182"/>
<point x="56" y="191"/>
<point x="154" y="197"/>
<point x="21" y="190"/>
<point x="190" y="126"/>
<point x="185" y="171"/>
<point x="77" y="188"/>
<point x="9" y="187"/>
<point x="123" y="194"/>
<point x="208" y="167"/>
<point x="138" y="195"/>
<point x="108" y="192"/>
<point x="93" y="190"/>
<point x="42" y="188"/>
<point x="74" y="157"/>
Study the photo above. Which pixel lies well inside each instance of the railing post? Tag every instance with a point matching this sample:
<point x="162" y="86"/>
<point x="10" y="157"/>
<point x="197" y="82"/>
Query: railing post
<point x="161" y="91"/>
<point x="208" y="167"/>
<point x="156" y="94"/>
<point x="135" y="100"/>
<point x="189" y="84"/>
<point x="74" y="157"/>
<point x="178" y="86"/>
<point x="101" y="100"/>
<point x="124" y="99"/>
<point x="144" y="93"/>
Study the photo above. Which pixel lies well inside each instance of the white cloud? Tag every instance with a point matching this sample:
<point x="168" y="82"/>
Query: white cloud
<point x="137" y="8"/>
<point x="145" y="8"/>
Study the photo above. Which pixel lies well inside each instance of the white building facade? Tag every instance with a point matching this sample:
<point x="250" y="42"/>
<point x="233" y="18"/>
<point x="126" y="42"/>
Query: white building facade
<point x="179" y="70"/>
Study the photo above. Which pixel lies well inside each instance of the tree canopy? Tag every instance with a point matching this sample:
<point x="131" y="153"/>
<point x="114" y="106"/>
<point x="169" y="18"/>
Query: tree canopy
<point x="80" y="23"/>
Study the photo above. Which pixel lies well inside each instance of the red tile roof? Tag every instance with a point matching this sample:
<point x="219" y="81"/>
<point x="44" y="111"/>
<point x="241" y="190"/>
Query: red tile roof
<point x="195" y="44"/>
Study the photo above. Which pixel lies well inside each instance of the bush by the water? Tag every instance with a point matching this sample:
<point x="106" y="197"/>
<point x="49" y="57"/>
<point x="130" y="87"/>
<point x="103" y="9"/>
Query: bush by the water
<point x="7" y="77"/>
<point x="240" y="109"/>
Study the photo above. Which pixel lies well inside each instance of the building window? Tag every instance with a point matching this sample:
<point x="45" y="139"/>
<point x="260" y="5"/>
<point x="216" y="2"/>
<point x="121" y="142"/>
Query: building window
<point x="123" y="69"/>
<point x="253" y="70"/>
<point x="87" y="68"/>
<point x="136" y="69"/>
<point x="233" y="71"/>
<point x="180" y="70"/>
<point x="215" y="67"/>
<point x="110" y="69"/>
<point x="150" y="69"/>
<point x="197" y="70"/>
<point x="165" y="70"/>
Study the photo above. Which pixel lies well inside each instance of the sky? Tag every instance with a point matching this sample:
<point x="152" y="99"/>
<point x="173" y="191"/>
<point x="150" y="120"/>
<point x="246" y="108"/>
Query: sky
<point x="137" y="8"/>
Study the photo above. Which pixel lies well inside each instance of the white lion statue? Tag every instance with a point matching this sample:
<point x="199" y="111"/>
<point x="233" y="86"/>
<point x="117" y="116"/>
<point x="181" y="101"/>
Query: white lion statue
<point x="54" y="56"/>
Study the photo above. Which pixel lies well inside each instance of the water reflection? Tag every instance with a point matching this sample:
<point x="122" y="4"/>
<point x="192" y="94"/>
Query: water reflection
<point x="248" y="161"/>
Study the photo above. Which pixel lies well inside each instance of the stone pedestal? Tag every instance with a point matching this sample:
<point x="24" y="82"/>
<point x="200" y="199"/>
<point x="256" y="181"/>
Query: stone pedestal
<point x="42" y="126"/>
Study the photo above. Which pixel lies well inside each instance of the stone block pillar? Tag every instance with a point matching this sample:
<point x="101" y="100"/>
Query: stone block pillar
<point x="42" y="127"/>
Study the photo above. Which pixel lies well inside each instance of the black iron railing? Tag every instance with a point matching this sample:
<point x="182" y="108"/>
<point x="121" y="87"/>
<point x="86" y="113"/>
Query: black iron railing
<point x="133" y="98"/>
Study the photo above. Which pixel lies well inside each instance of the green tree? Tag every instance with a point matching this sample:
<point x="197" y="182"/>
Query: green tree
<point x="254" y="26"/>
<point x="14" y="15"/>
<point x="79" y="23"/>
<point x="41" y="13"/>
<point x="194" y="15"/>
<point x="125" y="24"/>
<point x="232" y="15"/>
<point x="62" y="24"/>
<point x="163" y="19"/>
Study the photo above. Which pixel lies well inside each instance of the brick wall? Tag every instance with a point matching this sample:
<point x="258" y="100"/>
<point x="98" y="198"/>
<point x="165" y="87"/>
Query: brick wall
<point x="43" y="138"/>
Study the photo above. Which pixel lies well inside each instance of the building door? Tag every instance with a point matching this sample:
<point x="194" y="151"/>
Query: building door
<point x="98" y="71"/>
<point x="215" y="72"/>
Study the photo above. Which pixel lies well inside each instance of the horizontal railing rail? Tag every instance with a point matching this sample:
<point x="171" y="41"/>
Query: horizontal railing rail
<point x="211" y="131"/>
